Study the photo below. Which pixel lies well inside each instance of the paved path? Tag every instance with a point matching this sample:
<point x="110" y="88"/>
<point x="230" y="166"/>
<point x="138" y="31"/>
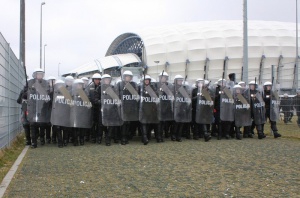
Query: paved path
<point x="247" y="168"/>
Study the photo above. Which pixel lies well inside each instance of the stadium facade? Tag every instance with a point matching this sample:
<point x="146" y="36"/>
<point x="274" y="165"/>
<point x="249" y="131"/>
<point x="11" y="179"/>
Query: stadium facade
<point x="206" y="49"/>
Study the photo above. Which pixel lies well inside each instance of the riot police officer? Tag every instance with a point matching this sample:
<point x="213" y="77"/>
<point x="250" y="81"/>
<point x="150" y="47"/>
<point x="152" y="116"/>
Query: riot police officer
<point x="128" y="93"/>
<point x="203" y="102"/>
<point x="272" y="103"/>
<point x="182" y="107"/>
<point x="38" y="105"/>
<point x="97" y="128"/>
<point x="165" y="107"/>
<point x="148" y="114"/>
<point x="22" y="99"/>
<point x="69" y="82"/>
<point x="296" y="105"/>
<point x="51" y="81"/>
<point x="257" y="106"/>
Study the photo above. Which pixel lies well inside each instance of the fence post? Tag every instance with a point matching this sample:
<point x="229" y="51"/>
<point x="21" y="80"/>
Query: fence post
<point x="9" y="93"/>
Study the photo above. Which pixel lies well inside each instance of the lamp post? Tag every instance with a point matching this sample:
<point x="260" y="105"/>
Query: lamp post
<point x="45" y="58"/>
<point x="58" y="70"/>
<point x="157" y="69"/>
<point x="43" y="3"/>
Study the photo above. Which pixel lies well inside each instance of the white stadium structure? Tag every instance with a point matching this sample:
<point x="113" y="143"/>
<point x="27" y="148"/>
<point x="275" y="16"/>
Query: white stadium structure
<point x="204" y="49"/>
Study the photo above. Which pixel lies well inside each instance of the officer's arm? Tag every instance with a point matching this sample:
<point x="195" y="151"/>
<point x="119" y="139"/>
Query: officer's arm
<point x="97" y="96"/>
<point x="19" y="100"/>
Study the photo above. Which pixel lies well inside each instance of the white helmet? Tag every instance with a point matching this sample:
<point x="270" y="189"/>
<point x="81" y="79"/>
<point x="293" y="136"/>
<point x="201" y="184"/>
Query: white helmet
<point x="206" y="82"/>
<point x="222" y="81"/>
<point x="267" y="83"/>
<point x="77" y="81"/>
<point x="241" y="82"/>
<point x="127" y="72"/>
<point x="59" y="81"/>
<point x="163" y="74"/>
<point x="178" y="77"/>
<point x="199" y="79"/>
<point x="285" y="94"/>
<point x="51" y="78"/>
<point x="146" y="77"/>
<point x="37" y="70"/>
<point x="237" y="86"/>
<point x="69" y="78"/>
<point x="84" y="78"/>
<point x="106" y="76"/>
<point x="252" y="82"/>
<point x="96" y="76"/>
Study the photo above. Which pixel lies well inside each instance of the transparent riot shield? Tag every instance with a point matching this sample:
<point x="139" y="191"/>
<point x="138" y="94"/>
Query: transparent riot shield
<point x="148" y="112"/>
<point x="242" y="107"/>
<point x="274" y="106"/>
<point x="38" y="101"/>
<point x="183" y="102"/>
<point x="81" y="108"/>
<point x="166" y="104"/>
<point x="226" y="105"/>
<point x="258" y="108"/>
<point x="205" y="106"/>
<point x="130" y="101"/>
<point x="61" y="105"/>
<point x="110" y="106"/>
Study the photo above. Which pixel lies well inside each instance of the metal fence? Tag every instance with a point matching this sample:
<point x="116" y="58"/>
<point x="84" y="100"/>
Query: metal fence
<point x="11" y="82"/>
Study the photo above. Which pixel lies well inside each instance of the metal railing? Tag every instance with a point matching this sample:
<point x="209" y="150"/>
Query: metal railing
<point x="12" y="80"/>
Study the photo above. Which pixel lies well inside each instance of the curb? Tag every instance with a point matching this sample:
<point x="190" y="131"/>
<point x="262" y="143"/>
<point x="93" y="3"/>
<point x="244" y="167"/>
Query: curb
<point x="9" y="176"/>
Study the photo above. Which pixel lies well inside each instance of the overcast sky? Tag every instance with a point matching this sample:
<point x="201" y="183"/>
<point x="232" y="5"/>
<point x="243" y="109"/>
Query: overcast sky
<point x="79" y="31"/>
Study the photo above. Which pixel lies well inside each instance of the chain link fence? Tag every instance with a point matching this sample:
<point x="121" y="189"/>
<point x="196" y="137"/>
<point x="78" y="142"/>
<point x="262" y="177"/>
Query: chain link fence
<point x="12" y="80"/>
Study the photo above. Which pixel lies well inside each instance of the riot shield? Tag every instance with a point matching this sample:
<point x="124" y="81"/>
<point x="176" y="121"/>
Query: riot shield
<point x="205" y="106"/>
<point x="274" y="106"/>
<point x="148" y="105"/>
<point x="61" y="106"/>
<point x="110" y="106"/>
<point x="226" y="105"/>
<point x="81" y="108"/>
<point x="166" y="97"/>
<point x="242" y="107"/>
<point x="258" y="108"/>
<point x="130" y="101"/>
<point x="38" y="101"/>
<point x="182" y="103"/>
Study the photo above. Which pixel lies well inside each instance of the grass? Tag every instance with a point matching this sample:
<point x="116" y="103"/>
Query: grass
<point x="9" y="155"/>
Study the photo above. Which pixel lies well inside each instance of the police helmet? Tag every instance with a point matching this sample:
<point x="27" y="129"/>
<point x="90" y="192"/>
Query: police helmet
<point x="96" y="76"/>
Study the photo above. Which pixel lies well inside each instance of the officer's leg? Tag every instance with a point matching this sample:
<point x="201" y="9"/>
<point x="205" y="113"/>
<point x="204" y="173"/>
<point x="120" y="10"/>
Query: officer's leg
<point x="110" y="130"/>
<point x="124" y="130"/>
<point x="87" y="135"/>
<point x="238" y="133"/>
<point x="58" y="131"/>
<point x="260" y="129"/>
<point x="196" y="131"/>
<point x="207" y="135"/>
<point x="160" y="127"/>
<point x="99" y="133"/>
<point x="48" y="132"/>
<point x="144" y="134"/>
<point x="75" y="136"/>
<point x="65" y="136"/>
<point x="54" y="135"/>
<point x="27" y="133"/>
<point x="167" y="126"/>
<point x="42" y="130"/>
<point x="275" y="130"/>
<point x="33" y="130"/>
<point x="179" y="131"/>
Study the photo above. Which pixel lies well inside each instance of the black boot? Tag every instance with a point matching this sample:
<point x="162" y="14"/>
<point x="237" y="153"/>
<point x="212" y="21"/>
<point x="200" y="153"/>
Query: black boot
<point x="144" y="134"/>
<point x="108" y="133"/>
<point x="276" y="134"/>
<point x="207" y="135"/>
<point x="33" y="131"/>
<point x="27" y="134"/>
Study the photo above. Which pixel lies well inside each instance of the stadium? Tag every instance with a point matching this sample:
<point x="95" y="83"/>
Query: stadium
<point x="205" y="50"/>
